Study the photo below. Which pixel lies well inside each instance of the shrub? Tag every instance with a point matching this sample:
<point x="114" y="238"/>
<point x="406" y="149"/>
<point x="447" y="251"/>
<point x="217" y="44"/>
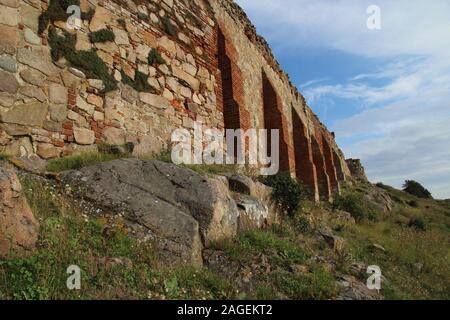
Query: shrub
<point x="418" y="223"/>
<point x="302" y="223"/>
<point x="357" y="206"/>
<point x="155" y="58"/>
<point x="287" y="192"/>
<point x="102" y="35"/>
<point x="413" y="203"/>
<point x="416" y="189"/>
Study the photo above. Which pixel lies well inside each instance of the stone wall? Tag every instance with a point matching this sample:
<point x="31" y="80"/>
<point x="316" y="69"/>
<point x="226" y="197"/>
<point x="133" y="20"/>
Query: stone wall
<point x="216" y="70"/>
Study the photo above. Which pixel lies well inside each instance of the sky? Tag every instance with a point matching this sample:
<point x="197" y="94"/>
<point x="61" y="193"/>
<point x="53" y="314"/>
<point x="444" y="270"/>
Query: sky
<point x="384" y="92"/>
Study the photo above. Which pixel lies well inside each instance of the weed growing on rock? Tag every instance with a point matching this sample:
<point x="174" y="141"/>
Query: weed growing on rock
<point x="103" y="35"/>
<point x="87" y="61"/>
<point x="140" y="82"/>
<point x="155" y="58"/>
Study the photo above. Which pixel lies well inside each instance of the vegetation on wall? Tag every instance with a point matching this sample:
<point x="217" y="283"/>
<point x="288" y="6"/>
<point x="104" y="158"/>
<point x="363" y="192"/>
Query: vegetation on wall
<point x="57" y="11"/>
<point x="87" y="61"/>
<point x="168" y="26"/>
<point x="103" y="35"/>
<point x="155" y="58"/>
<point x="140" y="82"/>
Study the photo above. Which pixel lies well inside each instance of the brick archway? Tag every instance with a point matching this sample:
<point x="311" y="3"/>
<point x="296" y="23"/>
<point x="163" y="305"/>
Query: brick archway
<point x="322" y="176"/>
<point x="304" y="166"/>
<point x="230" y="106"/>
<point x="273" y="119"/>
<point x="330" y="166"/>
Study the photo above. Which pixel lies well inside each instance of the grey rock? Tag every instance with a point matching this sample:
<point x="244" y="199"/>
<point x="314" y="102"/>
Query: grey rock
<point x="37" y="58"/>
<point x="33" y="77"/>
<point x="252" y="212"/>
<point x="8" y="82"/>
<point x="18" y="227"/>
<point x="8" y="63"/>
<point x="351" y="288"/>
<point x="33" y="92"/>
<point x="174" y="206"/>
<point x="29" y="114"/>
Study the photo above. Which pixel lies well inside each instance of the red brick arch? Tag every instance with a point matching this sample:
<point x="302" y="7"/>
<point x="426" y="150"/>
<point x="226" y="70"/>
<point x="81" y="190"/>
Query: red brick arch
<point x="275" y="119"/>
<point x="322" y="176"/>
<point x="304" y="164"/>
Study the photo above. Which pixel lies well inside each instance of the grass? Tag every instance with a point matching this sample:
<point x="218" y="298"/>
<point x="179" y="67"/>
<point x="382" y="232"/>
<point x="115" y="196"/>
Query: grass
<point x="416" y="261"/>
<point x="281" y="258"/>
<point x="68" y="238"/>
<point x="80" y="161"/>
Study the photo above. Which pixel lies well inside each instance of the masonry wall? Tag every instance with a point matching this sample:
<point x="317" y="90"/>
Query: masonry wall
<point x="307" y="149"/>
<point x="217" y="70"/>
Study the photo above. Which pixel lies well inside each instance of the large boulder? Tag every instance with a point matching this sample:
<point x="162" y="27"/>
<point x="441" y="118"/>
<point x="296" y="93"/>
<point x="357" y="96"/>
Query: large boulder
<point x="181" y="211"/>
<point x="18" y="227"/>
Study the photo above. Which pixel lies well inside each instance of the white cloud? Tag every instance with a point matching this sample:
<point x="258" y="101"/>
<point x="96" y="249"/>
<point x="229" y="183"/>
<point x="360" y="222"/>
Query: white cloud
<point x="409" y="27"/>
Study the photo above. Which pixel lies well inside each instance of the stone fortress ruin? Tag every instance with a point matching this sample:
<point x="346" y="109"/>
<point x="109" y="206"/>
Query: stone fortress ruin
<point x="137" y="70"/>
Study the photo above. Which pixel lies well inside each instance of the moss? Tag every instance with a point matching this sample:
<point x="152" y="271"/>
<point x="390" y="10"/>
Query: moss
<point x="140" y="82"/>
<point x="142" y="16"/>
<point x="103" y="35"/>
<point x="154" y="58"/>
<point x="168" y="26"/>
<point x="88" y="15"/>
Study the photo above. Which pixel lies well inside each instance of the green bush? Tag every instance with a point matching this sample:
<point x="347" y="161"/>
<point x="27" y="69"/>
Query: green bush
<point x="416" y="189"/>
<point x="418" y="223"/>
<point x="357" y="206"/>
<point x="103" y="35"/>
<point x="287" y="192"/>
<point x="302" y="223"/>
<point x="413" y="203"/>
<point x="155" y="58"/>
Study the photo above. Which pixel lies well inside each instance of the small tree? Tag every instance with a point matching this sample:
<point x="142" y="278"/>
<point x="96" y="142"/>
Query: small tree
<point x="287" y="192"/>
<point x="416" y="189"/>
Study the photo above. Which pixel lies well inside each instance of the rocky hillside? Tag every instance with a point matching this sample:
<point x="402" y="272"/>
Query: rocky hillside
<point x="147" y="229"/>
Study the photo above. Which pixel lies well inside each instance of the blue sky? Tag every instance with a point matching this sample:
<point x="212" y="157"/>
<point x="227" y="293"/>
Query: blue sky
<point x="386" y="93"/>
